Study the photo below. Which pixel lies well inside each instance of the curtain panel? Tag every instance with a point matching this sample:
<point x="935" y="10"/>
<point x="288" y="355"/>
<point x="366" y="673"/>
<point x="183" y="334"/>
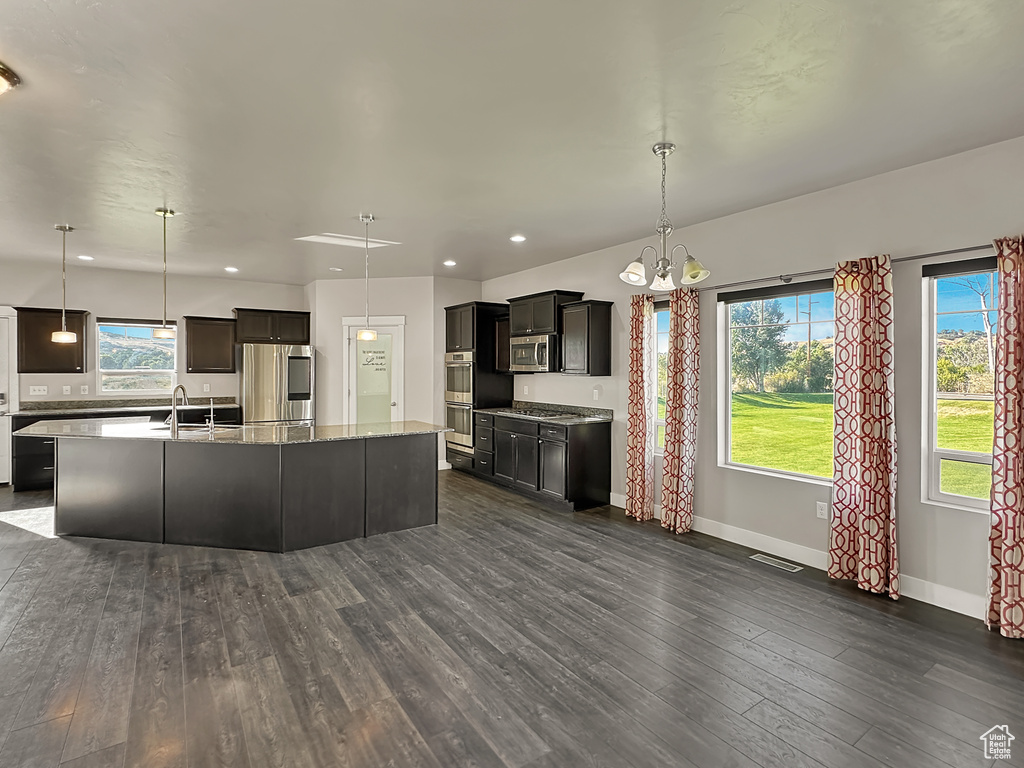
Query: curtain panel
<point x="1006" y="540"/>
<point x="640" y="417"/>
<point x="681" y="411"/>
<point x="862" y="540"/>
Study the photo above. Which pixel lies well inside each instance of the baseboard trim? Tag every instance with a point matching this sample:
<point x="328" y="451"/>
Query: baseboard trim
<point x="442" y="464"/>
<point x="618" y="500"/>
<point x="950" y="598"/>
<point x="814" y="558"/>
<point x="939" y="595"/>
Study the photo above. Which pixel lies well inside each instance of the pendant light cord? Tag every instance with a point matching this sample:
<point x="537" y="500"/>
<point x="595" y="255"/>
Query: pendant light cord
<point x="63" y="280"/>
<point x="663" y="221"/>
<point x="164" y="217"/>
<point x="366" y="225"/>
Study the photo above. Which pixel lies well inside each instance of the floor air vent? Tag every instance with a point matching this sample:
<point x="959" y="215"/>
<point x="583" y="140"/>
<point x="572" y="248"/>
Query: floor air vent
<point x="776" y="563"/>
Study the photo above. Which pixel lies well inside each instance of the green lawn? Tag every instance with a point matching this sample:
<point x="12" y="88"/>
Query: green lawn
<point x="794" y="433"/>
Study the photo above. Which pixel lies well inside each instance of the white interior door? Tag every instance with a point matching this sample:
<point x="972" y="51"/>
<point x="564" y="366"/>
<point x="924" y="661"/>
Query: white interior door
<point x="5" y="404"/>
<point x="376" y="374"/>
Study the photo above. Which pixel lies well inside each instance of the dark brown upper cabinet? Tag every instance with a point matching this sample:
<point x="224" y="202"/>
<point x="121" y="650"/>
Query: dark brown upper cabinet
<point x="587" y="338"/>
<point x="37" y="354"/>
<point x="502" y="348"/>
<point x="459" y="328"/>
<point x="271" y="326"/>
<point x="538" y="313"/>
<point x="209" y="345"/>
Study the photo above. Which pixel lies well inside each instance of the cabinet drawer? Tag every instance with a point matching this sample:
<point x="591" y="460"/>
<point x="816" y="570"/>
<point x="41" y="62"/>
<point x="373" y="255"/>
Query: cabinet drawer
<point x="460" y="460"/>
<point x="34" y="446"/>
<point x="483" y="419"/>
<point x="33" y="472"/>
<point x="552" y="432"/>
<point x="484" y="462"/>
<point x="484" y="439"/>
<point x="518" y="426"/>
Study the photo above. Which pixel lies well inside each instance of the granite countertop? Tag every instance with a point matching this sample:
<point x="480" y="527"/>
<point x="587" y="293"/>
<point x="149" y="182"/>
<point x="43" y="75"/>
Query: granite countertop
<point x="139" y="409"/>
<point x="567" y="415"/>
<point x="142" y="429"/>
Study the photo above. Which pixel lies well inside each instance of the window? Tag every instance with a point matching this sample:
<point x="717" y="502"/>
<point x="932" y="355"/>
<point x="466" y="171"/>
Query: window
<point x="960" y="385"/>
<point x="131" y="360"/>
<point x="661" y="318"/>
<point x="778" y="413"/>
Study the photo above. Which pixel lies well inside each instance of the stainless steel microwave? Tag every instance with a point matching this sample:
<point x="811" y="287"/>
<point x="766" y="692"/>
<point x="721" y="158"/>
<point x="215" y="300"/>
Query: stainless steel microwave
<point x="534" y="354"/>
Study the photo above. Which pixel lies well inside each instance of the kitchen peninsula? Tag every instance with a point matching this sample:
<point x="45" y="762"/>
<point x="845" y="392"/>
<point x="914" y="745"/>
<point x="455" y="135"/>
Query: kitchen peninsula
<point x="271" y="488"/>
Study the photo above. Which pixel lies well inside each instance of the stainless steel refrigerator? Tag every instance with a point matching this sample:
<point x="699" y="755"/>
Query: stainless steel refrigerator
<point x="277" y="383"/>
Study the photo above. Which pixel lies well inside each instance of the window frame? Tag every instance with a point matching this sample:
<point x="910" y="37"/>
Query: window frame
<point x="724" y="334"/>
<point x="931" y="455"/>
<point x="131" y="393"/>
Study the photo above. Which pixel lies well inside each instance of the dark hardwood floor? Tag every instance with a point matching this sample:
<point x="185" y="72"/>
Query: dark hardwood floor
<point x="508" y="635"/>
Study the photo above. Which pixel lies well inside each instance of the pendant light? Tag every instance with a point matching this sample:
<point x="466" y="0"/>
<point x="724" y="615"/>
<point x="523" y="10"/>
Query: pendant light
<point x="367" y="333"/>
<point x="64" y="336"/>
<point x="692" y="272"/>
<point x="8" y="78"/>
<point x="164" y="331"/>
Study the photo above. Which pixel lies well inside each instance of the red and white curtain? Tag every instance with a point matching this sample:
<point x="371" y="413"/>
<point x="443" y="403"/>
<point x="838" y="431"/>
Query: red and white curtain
<point x="1006" y="540"/>
<point x="862" y="540"/>
<point x="681" y="411"/>
<point x="640" y="421"/>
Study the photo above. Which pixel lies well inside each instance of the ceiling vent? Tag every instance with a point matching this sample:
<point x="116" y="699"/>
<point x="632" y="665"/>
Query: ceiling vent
<point x="352" y="241"/>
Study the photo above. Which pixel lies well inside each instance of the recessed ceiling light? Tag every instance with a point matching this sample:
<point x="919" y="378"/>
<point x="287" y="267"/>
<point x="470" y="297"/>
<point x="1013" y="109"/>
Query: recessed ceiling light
<point x="230" y="269"/>
<point x="8" y="78"/>
<point x="353" y="241"/>
<point x="517" y="238"/>
<point x="83" y="257"/>
<point x="449" y="263"/>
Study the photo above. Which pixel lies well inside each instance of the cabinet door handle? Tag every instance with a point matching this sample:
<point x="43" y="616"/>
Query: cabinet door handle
<point x="48" y="442"/>
<point x="47" y="467"/>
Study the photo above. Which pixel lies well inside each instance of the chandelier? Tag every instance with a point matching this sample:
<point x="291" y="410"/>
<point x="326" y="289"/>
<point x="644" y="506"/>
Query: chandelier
<point x="664" y="264"/>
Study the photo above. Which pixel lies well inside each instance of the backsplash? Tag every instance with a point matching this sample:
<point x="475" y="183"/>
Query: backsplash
<point x="110" y="403"/>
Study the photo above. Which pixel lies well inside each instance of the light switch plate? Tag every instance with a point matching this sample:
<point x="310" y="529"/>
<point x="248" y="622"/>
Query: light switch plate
<point x="84" y="389"/>
<point x="38" y="390"/>
<point x="66" y="389"/>
<point x="526" y="389"/>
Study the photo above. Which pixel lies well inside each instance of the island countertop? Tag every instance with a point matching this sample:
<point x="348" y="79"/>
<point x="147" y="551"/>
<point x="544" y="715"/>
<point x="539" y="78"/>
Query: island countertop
<point x="139" y="428"/>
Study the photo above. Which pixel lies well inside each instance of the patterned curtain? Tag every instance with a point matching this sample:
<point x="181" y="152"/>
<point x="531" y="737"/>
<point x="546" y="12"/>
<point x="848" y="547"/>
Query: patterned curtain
<point x="640" y="423"/>
<point x="1006" y="580"/>
<point x="681" y="411"/>
<point x="862" y="541"/>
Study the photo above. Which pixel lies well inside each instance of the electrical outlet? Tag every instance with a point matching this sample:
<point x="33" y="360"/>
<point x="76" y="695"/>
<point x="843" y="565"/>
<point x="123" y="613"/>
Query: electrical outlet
<point x="526" y="389"/>
<point x="66" y="389"/>
<point x="38" y="390"/>
<point x="84" y="389"/>
<point x="206" y="387"/>
<point x="821" y="508"/>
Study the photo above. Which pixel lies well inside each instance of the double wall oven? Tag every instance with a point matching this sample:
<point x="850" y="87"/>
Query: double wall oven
<point x="458" y="398"/>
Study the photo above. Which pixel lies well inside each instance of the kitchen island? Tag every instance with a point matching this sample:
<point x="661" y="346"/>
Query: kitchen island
<point x="274" y="488"/>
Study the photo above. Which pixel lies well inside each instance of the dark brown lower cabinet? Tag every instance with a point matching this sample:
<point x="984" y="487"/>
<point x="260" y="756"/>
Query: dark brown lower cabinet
<point x="566" y="464"/>
<point x="552" y="468"/>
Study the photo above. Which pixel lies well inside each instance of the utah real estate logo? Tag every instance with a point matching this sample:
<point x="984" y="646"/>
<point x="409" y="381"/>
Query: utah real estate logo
<point x="997" y="742"/>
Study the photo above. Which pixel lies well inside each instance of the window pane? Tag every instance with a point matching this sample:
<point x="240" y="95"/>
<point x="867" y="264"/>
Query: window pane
<point x="126" y="348"/>
<point x="964" y="478"/>
<point x="964" y="292"/>
<point x="965" y="424"/>
<point x="745" y="313"/>
<point x="120" y="382"/>
<point x="661" y="436"/>
<point x="781" y="379"/>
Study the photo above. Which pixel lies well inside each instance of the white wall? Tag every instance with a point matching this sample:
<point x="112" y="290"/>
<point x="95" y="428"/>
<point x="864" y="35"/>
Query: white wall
<point x="959" y="201"/>
<point x="119" y="293"/>
<point x="411" y="297"/>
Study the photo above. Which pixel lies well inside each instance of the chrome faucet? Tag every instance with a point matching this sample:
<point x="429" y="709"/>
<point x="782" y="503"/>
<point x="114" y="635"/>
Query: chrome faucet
<point x="174" y="409"/>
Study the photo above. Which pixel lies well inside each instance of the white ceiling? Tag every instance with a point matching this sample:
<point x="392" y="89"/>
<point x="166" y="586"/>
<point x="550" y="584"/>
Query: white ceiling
<point x="458" y="123"/>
